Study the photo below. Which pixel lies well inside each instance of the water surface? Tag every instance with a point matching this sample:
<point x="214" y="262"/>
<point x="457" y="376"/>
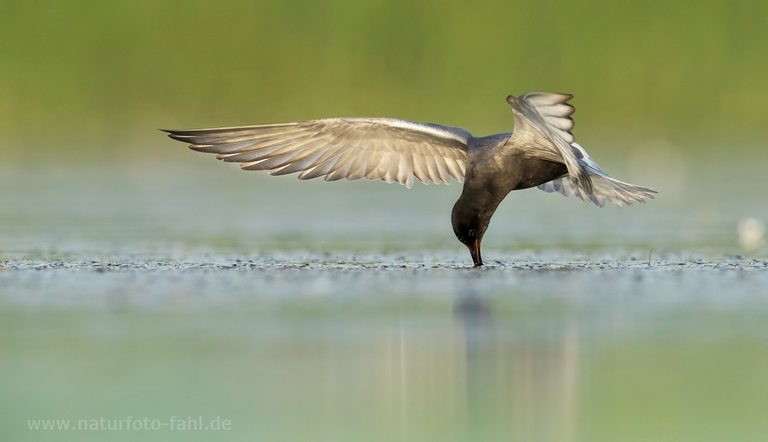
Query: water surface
<point x="348" y="312"/>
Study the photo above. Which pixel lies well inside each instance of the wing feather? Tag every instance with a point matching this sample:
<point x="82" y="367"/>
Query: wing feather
<point x="442" y="169"/>
<point x="250" y="154"/>
<point x="454" y="169"/>
<point x="420" y="169"/>
<point x="318" y="169"/>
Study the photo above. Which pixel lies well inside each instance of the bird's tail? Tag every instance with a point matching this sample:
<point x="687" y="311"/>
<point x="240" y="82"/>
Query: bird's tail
<point x="604" y="188"/>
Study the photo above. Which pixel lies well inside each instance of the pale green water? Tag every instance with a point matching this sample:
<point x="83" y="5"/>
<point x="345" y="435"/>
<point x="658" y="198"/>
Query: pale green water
<point x="389" y="354"/>
<point x="303" y="311"/>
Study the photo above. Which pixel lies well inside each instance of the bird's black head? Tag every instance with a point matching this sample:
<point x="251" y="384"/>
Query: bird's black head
<point x="466" y="235"/>
<point x="469" y="231"/>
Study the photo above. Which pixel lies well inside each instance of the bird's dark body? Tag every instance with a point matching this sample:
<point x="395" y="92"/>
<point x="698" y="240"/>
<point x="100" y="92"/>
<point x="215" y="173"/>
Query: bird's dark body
<point x="494" y="168"/>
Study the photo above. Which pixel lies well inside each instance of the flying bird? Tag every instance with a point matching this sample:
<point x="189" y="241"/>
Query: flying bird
<point x="541" y="151"/>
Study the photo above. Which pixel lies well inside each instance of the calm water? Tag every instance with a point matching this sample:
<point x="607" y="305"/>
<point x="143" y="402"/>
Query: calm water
<point x="346" y="311"/>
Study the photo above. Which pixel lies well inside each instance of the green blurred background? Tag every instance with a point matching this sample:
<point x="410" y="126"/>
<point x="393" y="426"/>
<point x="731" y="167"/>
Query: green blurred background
<point x="87" y="76"/>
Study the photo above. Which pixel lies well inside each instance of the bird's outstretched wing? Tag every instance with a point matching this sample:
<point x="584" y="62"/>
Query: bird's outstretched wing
<point x="373" y="148"/>
<point x="550" y="115"/>
<point x="605" y="188"/>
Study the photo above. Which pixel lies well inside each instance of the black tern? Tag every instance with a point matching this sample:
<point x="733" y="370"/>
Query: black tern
<point x="541" y="151"/>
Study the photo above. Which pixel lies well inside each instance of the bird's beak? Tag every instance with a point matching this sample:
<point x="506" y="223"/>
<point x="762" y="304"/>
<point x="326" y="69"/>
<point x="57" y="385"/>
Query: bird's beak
<point x="511" y="99"/>
<point x="474" y="250"/>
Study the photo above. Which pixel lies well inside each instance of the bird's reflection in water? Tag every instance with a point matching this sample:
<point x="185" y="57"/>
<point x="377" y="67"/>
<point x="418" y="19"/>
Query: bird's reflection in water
<point x="521" y="377"/>
<point x="488" y="367"/>
<point x="480" y="357"/>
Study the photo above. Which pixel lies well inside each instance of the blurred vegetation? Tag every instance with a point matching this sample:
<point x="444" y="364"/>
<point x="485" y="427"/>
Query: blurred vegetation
<point x="80" y="74"/>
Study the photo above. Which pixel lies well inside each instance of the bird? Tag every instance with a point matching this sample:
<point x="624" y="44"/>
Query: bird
<point x="541" y="151"/>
